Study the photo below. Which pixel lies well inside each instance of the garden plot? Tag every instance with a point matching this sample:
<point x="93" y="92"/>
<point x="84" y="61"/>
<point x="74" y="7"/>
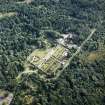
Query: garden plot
<point x="53" y="61"/>
<point x="49" y="61"/>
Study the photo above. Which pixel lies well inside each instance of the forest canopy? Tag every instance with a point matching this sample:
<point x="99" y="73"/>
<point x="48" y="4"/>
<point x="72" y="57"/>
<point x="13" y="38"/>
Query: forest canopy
<point x="23" y="27"/>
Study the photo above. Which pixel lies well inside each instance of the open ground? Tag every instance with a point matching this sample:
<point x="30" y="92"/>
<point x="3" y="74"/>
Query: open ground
<point x="51" y="60"/>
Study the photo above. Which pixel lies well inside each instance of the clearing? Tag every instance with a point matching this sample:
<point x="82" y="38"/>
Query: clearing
<point x="50" y="63"/>
<point x="49" y="60"/>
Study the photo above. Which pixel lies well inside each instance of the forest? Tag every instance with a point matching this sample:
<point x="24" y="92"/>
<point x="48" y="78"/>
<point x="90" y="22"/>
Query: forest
<point x="22" y="26"/>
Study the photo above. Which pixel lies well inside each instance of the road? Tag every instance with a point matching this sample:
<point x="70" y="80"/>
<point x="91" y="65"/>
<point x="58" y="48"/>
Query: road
<point x="9" y="14"/>
<point x="26" y="1"/>
<point x="27" y="71"/>
<point x="76" y="53"/>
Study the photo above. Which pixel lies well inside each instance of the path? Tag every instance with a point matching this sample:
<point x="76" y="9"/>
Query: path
<point x="77" y="52"/>
<point x="25" y="1"/>
<point x="27" y="71"/>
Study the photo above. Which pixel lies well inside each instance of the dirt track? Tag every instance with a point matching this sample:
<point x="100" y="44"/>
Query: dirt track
<point x="77" y="52"/>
